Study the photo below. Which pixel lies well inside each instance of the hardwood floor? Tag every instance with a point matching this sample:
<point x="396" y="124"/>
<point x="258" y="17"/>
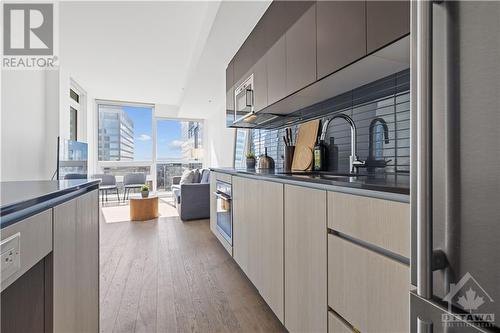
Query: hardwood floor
<point x="172" y="276"/>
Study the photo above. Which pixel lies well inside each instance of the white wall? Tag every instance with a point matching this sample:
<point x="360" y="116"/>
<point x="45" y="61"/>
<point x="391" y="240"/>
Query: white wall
<point x="29" y="118"/>
<point x="183" y="71"/>
<point x="219" y="140"/>
<point x="166" y="111"/>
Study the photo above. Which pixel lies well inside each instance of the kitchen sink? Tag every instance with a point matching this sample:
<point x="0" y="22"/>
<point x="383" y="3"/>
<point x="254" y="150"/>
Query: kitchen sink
<point x="321" y="174"/>
<point x="339" y="176"/>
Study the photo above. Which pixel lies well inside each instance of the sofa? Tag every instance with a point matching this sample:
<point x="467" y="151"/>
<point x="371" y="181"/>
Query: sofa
<point x="192" y="200"/>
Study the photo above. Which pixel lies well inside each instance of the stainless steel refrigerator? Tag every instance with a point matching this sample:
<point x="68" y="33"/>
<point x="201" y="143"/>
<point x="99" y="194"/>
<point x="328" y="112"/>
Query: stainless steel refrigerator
<point x="455" y="192"/>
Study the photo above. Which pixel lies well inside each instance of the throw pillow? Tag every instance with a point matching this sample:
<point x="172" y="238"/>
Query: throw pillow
<point x="205" y="176"/>
<point x="187" y="177"/>
<point x="197" y="176"/>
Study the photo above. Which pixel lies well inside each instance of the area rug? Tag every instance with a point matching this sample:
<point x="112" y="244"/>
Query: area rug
<point x="114" y="213"/>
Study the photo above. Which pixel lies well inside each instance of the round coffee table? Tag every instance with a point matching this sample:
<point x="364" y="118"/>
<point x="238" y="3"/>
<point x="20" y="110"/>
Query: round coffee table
<point x="143" y="209"/>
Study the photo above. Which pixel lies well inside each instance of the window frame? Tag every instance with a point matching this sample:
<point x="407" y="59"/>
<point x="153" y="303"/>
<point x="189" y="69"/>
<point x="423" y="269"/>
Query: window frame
<point x="99" y="165"/>
<point x="75" y="106"/>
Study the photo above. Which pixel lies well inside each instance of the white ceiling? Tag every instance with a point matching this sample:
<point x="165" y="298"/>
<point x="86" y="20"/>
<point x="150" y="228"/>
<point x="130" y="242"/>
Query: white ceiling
<point x="160" y="52"/>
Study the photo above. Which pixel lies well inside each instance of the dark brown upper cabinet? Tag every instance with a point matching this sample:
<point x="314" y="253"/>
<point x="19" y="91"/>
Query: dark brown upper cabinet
<point x="230" y="86"/>
<point x="244" y="59"/>
<point x="277" y="19"/>
<point x="301" y="52"/>
<point x="230" y="75"/>
<point x="276" y="71"/>
<point x="341" y="34"/>
<point x="386" y="21"/>
<point x="296" y="43"/>
<point x="260" y="84"/>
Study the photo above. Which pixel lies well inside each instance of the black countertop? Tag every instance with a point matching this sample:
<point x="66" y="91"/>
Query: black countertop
<point x="398" y="183"/>
<point x="20" y="199"/>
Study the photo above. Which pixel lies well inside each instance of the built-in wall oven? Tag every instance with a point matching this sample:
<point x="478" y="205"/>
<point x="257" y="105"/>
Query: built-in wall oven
<point x="224" y="210"/>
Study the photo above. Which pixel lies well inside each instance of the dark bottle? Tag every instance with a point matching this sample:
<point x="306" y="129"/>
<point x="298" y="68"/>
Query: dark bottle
<point x="319" y="156"/>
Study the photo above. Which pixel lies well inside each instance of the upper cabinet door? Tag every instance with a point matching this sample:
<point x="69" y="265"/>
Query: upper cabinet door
<point x="301" y="51"/>
<point x="276" y="71"/>
<point x="230" y="75"/>
<point x="260" y="84"/>
<point x="341" y="34"/>
<point x="230" y="86"/>
<point x="244" y="59"/>
<point x="386" y="21"/>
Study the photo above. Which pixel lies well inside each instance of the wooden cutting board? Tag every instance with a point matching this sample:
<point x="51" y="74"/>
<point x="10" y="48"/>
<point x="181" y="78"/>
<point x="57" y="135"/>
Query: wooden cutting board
<point x="304" y="146"/>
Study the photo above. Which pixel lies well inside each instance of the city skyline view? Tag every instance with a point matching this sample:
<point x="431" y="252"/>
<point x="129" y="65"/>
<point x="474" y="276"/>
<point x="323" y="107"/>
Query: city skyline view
<point x="143" y="131"/>
<point x="169" y="136"/>
<point x="126" y="133"/>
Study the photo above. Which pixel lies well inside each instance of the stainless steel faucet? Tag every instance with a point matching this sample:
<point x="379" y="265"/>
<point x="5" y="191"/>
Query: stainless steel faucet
<point x="371" y="145"/>
<point x="354" y="161"/>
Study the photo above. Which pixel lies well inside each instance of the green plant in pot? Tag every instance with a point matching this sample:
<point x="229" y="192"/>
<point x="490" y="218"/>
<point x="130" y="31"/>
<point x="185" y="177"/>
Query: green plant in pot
<point x="145" y="191"/>
<point x="250" y="160"/>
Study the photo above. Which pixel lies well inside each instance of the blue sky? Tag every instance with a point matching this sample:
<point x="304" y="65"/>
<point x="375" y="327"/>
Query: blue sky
<point x="169" y="138"/>
<point x="168" y="135"/>
<point x="143" y="131"/>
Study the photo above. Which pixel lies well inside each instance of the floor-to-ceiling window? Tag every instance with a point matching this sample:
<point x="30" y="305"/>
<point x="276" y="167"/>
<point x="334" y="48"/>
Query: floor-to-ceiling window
<point x="130" y="139"/>
<point x="125" y="138"/>
<point x="178" y="146"/>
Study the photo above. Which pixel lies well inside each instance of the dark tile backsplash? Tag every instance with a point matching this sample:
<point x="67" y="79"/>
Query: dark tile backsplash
<point x="387" y="99"/>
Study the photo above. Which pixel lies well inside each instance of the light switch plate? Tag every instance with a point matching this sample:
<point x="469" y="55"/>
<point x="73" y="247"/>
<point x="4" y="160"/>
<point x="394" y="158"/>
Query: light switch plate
<point x="10" y="260"/>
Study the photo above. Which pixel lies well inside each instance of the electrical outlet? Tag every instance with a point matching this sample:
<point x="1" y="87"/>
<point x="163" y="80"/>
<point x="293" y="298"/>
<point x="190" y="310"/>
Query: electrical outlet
<point x="10" y="258"/>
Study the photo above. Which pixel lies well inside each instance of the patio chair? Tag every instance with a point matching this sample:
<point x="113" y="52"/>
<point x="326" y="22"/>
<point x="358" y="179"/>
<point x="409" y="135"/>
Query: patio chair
<point x="108" y="183"/>
<point x="132" y="181"/>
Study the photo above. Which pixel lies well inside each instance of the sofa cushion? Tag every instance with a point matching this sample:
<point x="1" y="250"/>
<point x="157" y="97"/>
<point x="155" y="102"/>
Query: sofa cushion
<point x="197" y="176"/>
<point x="187" y="177"/>
<point x="205" y="176"/>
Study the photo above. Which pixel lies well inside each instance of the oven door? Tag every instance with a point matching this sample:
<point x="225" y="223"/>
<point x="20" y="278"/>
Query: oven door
<point x="224" y="216"/>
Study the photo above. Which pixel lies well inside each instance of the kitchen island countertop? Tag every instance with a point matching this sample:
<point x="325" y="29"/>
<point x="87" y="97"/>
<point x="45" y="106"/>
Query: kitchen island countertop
<point x="20" y="199"/>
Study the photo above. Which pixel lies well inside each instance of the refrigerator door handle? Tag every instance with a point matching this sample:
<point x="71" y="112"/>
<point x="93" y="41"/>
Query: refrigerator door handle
<point x="428" y="260"/>
<point x="424" y="326"/>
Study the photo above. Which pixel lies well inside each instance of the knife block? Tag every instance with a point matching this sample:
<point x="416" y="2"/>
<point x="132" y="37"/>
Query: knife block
<point x="288" y="158"/>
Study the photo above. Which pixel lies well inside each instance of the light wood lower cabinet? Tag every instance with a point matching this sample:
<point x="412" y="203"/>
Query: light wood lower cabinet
<point x="380" y="222"/>
<point x="305" y="260"/>
<point x="368" y="289"/>
<point x="258" y="237"/>
<point x="76" y="265"/>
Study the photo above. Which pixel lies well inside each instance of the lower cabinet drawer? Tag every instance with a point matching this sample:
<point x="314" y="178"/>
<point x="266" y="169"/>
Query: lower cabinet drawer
<point x="369" y="290"/>
<point x="336" y="325"/>
<point x="224" y="177"/>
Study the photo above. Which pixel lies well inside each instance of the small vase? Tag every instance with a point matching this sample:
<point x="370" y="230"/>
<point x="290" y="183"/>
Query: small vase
<point x="250" y="163"/>
<point x="145" y="194"/>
